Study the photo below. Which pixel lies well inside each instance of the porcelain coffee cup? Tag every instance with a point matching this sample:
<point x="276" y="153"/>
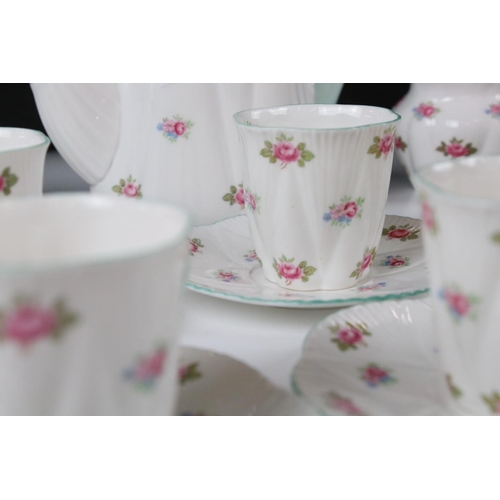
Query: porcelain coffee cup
<point x="316" y="180"/>
<point x="461" y="220"/>
<point x="22" y="159"/>
<point x="90" y="291"/>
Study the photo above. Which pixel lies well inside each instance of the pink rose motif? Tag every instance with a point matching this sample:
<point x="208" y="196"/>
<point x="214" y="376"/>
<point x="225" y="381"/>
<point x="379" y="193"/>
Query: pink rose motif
<point x="346" y="406"/>
<point x="169" y="126"/>
<point x="458" y="303"/>
<point x="193" y="247"/>
<point x="495" y="108"/>
<point x="289" y="271"/>
<point x="151" y="367"/>
<point x="286" y="152"/>
<point x="428" y="216"/>
<point x="398" y="233"/>
<point x="386" y="144"/>
<point x="179" y="128"/>
<point x="426" y="110"/>
<point x="251" y="200"/>
<point x="227" y="276"/>
<point x="374" y="374"/>
<point x="366" y="263"/>
<point x="239" y="197"/>
<point x="337" y="212"/>
<point x="29" y="323"/>
<point x="456" y="150"/>
<point x="350" y="209"/>
<point x="2" y="183"/>
<point x="130" y="190"/>
<point x="395" y="262"/>
<point x="398" y="143"/>
<point x="350" y="336"/>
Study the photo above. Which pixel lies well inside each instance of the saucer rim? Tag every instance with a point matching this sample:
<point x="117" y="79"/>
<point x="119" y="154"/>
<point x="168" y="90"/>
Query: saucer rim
<point x="426" y="301"/>
<point x="301" y="303"/>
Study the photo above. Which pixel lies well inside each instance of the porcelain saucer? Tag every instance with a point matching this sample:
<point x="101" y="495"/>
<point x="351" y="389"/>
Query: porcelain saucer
<point x="213" y="384"/>
<point x="223" y="264"/>
<point x="375" y="359"/>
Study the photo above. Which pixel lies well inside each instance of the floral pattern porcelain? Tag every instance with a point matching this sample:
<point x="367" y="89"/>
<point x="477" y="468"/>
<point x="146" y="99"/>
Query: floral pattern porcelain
<point x="128" y="187"/>
<point x="90" y="289"/>
<point x="344" y="212"/>
<point x="22" y="159"/>
<point x="395" y="373"/>
<point x="451" y="120"/>
<point x="456" y="148"/>
<point x="213" y="384"/>
<point x="284" y="151"/>
<point x="344" y="159"/>
<point x="28" y="321"/>
<point x="175" y="127"/>
<point x="147" y="370"/>
<point x="228" y="247"/>
<point x="461" y="256"/>
<point x="165" y="134"/>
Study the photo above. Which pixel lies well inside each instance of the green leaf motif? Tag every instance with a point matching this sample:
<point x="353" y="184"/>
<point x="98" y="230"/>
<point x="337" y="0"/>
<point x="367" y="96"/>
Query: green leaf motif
<point x="233" y="189"/>
<point x="117" y="189"/>
<point x="266" y="153"/>
<point x="306" y="155"/>
<point x="303" y="264"/>
<point x="272" y="159"/>
<point x="373" y="149"/>
<point x="301" y="146"/>
<point x="122" y="182"/>
<point x="268" y="144"/>
<point x="301" y="163"/>
<point x="495" y="237"/>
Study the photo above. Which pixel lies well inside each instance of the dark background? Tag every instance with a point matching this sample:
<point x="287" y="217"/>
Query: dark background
<point x="18" y="109"/>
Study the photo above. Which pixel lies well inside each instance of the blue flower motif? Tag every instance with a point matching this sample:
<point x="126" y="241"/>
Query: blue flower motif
<point x="159" y="127"/>
<point x="172" y="134"/>
<point x="327" y="217"/>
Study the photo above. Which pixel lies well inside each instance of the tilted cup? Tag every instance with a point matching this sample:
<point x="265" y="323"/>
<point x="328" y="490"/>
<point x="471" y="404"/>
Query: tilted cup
<point x="89" y="305"/>
<point x="461" y="216"/>
<point x="316" y="179"/>
<point x="22" y="160"/>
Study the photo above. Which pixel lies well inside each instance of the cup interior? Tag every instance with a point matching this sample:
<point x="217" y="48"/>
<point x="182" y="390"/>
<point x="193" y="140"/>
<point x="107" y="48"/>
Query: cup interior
<point x="477" y="177"/>
<point x="316" y="116"/>
<point x="12" y="139"/>
<point x="80" y="229"/>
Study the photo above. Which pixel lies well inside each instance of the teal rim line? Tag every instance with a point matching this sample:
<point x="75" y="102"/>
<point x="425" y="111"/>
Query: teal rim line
<point x="241" y="298"/>
<point x="46" y="140"/>
<point x="239" y="114"/>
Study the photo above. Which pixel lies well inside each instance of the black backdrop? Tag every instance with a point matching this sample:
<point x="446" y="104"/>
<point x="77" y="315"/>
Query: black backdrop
<point x="18" y="109"/>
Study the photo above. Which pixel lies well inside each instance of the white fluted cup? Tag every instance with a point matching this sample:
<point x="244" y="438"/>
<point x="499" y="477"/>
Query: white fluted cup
<point x="461" y="216"/>
<point x="90" y="291"/>
<point x="316" y="180"/>
<point x="22" y="160"/>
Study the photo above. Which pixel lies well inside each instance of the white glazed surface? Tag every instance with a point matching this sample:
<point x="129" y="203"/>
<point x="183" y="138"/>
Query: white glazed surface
<point x="94" y="330"/>
<point x="300" y="163"/>
<point x="22" y="158"/>
<point x="212" y="384"/>
<point x="390" y="367"/>
<point x="108" y="133"/>
<point x="462" y="243"/>
<point x="223" y="264"/>
<point x="458" y="111"/>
